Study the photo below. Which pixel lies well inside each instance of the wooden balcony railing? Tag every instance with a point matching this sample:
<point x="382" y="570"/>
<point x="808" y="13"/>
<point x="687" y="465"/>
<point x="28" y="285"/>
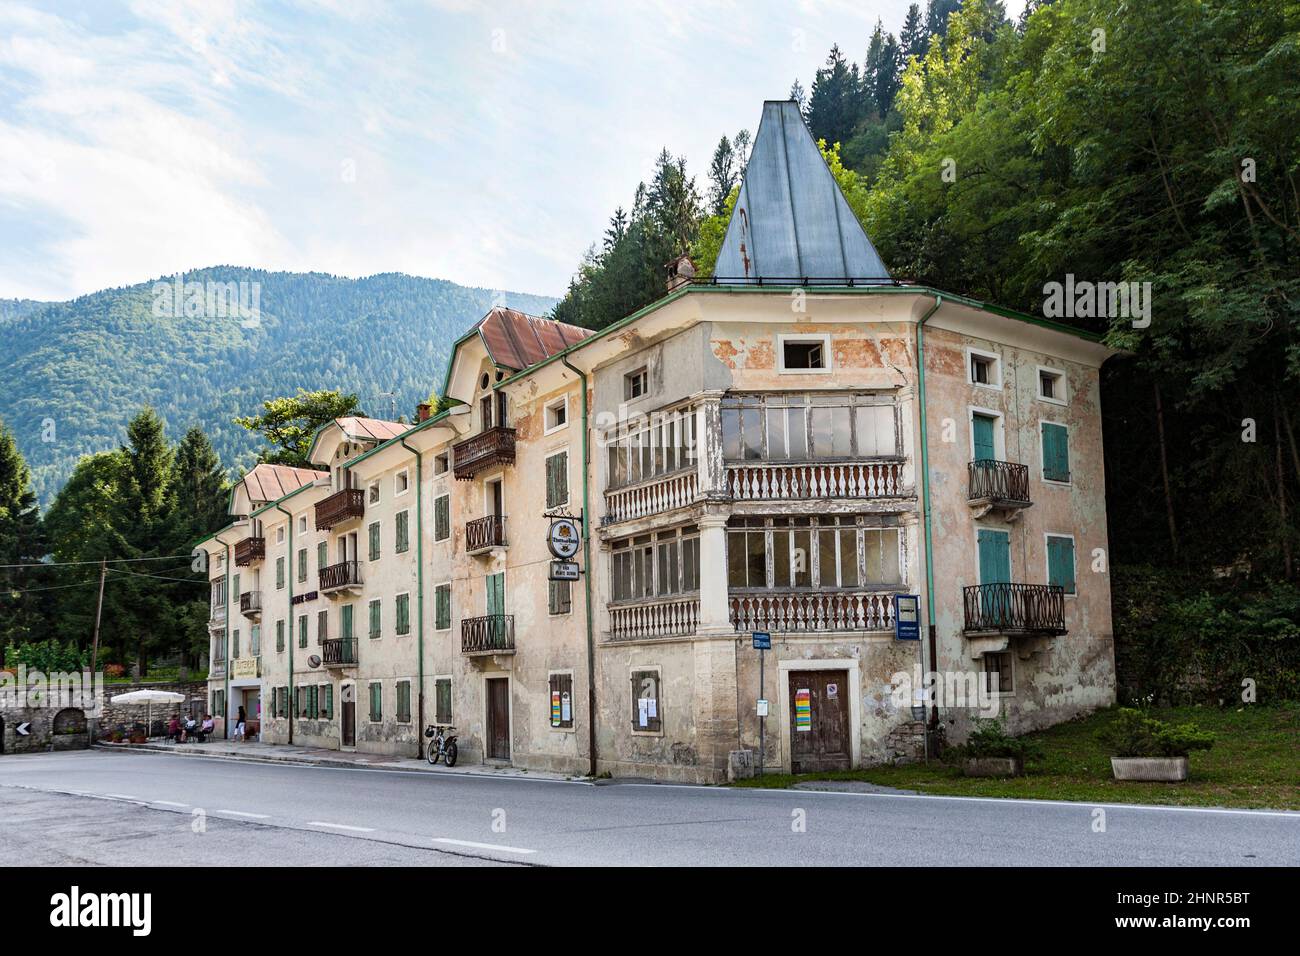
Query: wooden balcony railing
<point x="250" y="550"/>
<point x="666" y="617"/>
<point x="1014" y="609"/>
<point x="250" y="603"/>
<point x="774" y="481"/>
<point x="339" y="652"/>
<point x="340" y="507"/>
<point x="651" y="497"/>
<point x="490" y="634"/>
<point x="494" y="446"/>
<point x="345" y="574"/>
<point x="1002" y="482"/>
<point x="484" y="533"/>
<point x="788" y="611"/>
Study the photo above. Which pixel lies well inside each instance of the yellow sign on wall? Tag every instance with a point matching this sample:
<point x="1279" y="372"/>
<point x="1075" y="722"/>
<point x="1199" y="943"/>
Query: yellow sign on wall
<point x="245" y="667"/>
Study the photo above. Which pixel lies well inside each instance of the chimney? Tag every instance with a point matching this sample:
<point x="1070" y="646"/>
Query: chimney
<point x="423" y="411"/>
<point x="680" y="272"/>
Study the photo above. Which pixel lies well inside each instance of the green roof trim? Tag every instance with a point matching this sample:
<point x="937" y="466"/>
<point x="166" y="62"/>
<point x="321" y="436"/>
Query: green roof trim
<point x="397" y="440"/>
<point x="206" y="538"/>
<point x="297" y="491"/>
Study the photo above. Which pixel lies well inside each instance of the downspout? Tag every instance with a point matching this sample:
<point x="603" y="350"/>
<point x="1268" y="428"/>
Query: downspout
<point x="290" y="637"/>
<point x="925" y="494"/>
<point x="419" y="583"/>
<point x="225" y="700"/>
<point x="586" y="571"/>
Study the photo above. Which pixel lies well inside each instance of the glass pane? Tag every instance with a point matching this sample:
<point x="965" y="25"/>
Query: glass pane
<point x="874" y="425"/>
<point x="731" y="433"/>
<point x="752" y="433"/>
<point x="802" y="558"/>
<point x="776" y="445"/>
<point x="889" y="556"/>
<point x="657" y="450"/>
<point x="796" y="432"/>
<point x="848" y="558"/>
<point x="615" y="478"/>
<point x="871" y="547"/>
<point x="781" y="559"/>
<point x="691" y="564"/>
<point x="826" y="551"/>
<point x="671" y="439"/>
<point x="841" y="437"/>
<point x="756" y="559"/>
<point x="820" y="426"/>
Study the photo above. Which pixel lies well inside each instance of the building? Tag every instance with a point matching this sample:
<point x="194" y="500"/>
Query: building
<point x="782" y="448"/>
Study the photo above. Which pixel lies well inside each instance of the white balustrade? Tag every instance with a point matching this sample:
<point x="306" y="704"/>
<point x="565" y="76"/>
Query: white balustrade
<point x="661" y="618"/>
<point x="772" y="481"/>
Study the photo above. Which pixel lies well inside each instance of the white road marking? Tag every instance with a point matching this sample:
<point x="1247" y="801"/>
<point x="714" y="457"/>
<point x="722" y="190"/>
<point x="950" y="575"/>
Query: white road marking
<point x="171" y="803"/>
<point x="339" y="826"/>
<point x="245" y="813"/>
<point x="121" y="796"/>
<point x="483" y="846"/>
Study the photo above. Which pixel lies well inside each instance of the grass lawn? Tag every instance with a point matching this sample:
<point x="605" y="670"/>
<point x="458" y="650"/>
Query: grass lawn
<point x="1255" y="762"/>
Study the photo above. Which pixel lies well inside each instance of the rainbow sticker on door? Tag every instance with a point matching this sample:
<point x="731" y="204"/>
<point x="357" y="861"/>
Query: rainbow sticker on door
<point x="803" y="710"/>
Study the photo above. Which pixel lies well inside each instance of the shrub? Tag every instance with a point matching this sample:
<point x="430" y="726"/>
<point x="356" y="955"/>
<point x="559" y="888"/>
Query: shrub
<point x="114" y="671"/>
<point x="990" y="739"/>
<point x="1134" y="734"/>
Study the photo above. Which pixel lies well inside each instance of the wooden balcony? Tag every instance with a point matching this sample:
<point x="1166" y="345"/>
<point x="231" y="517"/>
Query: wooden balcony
<point x="250" y="550"/>
<point x="250" y="604"/>
<point x="1002" y="609"/>
<point x="646" y="498"/>
<point x="779" y="481"/>
<point x="494" y="446"/>
<point x="803" y="611"/>
<point x="339" y="652"/>
<point x="490" y="634"/>
<point x="665" y="617"/>
<point x="339" y="577"/>
<point x="485" y="534"/>
<point x="339" y="507"/>
<point x="1001" y="486"/>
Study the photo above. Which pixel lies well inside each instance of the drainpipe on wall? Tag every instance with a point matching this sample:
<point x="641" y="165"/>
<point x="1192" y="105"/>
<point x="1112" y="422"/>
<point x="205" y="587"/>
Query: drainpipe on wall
<point x="586" y="571"/>
<point x="419" y="583"/>
<point x="289" y="638"/>
<point x="925" y="492"/>
<point x="225" y="706"/>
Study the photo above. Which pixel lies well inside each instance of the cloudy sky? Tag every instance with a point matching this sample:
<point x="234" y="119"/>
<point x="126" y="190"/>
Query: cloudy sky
<point x="482" y="142"/>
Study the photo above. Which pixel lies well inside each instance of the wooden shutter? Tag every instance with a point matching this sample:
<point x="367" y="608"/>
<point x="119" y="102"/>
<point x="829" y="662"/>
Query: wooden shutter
<point x="374" y="618"/>
<point x="1056" y="452"/>
<point x="345" y="622"/>
<point x="374" y="541"/>
<point x="329" y="701"/>
<point x="442" y="706"/>
<point x="1060" y="562"/>
<point x="404" y="701"/>
<point x="645" y="684"/>
<point x="442" y="518"/>
<point x="376" y="702"/>
<point x="442" y="606"/>
<point x="403" y="536"/>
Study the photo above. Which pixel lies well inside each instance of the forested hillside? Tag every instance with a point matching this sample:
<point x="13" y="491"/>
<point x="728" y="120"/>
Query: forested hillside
<point x="74" y="373"/>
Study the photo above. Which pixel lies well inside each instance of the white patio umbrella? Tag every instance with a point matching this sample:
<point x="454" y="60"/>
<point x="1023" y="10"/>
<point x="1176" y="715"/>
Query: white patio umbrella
<point x="149" y="698"/>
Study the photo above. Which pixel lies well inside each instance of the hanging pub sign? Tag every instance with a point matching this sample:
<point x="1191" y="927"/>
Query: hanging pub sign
<point x="563" y="538"/>
<point x="907" y="617"/>
<point x="564" y="570"/>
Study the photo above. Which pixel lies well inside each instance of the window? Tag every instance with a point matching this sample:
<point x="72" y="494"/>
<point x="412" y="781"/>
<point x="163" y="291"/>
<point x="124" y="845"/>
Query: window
<point x="823" y="552"/>
<point x="322" y="555"/>
<point x="1051" y="385"/>
<point x="561" y="686"/>
<point x="656" y="565"/>
<point x="557" y="415"/>
<point x="802" y="353"/>
<point x="374" y="618"/>
<point x="1056" y="452"/>
<point x="234" y="644"/>
<point x="322" y="627"/>
<point x="658" y="444"/>
<point x="403" y="614"/>
<point x="402" y="535"/>
<point x="302" y="630"/>
<point x="442" y="518"/>
<point x="647" y="714"/>
<point x="802" y="427"/>
<point x="402" y="482"/>
<point x="635" y="384"/>
<point x="255" y="640"/>
<point x="403" y="701"/>
<point x="442" y="700"/>
<point x="442" y="607"/>
<point x="1060" y="561"/>
<point x="561" y="597"/>
<point x="279" y="637"/>
<point x="372" y="493"/>
<point x="374" y="540"/>
<point x="218" y="596"/>
<point x="376" y="702"/>
<point x="998" y="672"/>
<point x="302" y="524"/>
<point x="279" y="574"/>
<point x="279" y="535"/>
<point x="441" y="463"/>
<point x="302" y="565"/>
<point x="984" y="368"/>
<point x="345" y="622"/>
<point x="327" y="701"/>
<point x="557" y="480"/>
<point x="219" y="703"/>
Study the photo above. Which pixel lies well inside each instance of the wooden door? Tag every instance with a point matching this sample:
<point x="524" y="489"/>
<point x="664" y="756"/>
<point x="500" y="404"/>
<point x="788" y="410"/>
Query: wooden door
<point x="982" y="434"/>
<point x="995" y="569"/>
<point x="348" y="714"/>
<point x="498" y="718"/>
<point x="819" y="721"/>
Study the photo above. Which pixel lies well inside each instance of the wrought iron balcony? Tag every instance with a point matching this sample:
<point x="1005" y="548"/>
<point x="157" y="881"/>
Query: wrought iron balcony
<point x="997" y="484"/>
<point x="484" y="534"/>
<point x="335" y="577"/>
<point x="490" y="634"/>
<point x="250" y="550"/>
<point x="339" y="652"/>
<point x="250" y="604"/>
<point x="493" y="446"/>
<point x="1014" y="609"/>
<point x="340" y="507"/>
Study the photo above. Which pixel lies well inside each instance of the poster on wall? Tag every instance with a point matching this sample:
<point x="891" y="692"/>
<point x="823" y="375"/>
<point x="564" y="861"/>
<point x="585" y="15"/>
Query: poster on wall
<point x="556" y="715"/>
<point x="803" y="710"/>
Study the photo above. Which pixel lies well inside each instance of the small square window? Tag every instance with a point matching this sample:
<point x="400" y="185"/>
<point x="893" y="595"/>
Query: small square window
<point x="981" y="370"/>
<point x="402" y="482"/>
<point x="1051" y="385"/>
<point x="557" y="415"/>
<point x="302" y="524"/>
<point x="635" y="384"/>
<point x="279" y="535"/>
<point x="372" y="494"/>
<point x="998" y="671"/>
<point x="803" y="356"/>
<point x="441" y="463"/>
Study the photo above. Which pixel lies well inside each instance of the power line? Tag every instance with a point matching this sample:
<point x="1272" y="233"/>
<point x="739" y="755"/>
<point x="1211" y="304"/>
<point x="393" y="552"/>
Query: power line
<point x="142" y="574"/>
<point x="55" y="587"/>
<point x="69" y="564"/>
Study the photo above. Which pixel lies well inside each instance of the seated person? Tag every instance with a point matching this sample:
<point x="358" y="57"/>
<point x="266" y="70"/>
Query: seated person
<point x="209" y="726"/>
<point x="174" y="729"/>
<point x="189" y="727"/>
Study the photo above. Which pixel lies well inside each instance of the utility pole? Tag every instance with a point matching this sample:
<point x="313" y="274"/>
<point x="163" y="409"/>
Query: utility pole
<point x="99" y="610"/>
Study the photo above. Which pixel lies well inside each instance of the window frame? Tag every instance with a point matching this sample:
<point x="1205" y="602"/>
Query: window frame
<point x="403" y="682"/>
<point x="375" y="716"/>
<point x="397" y="617"/>
<point x="657" y="730"/>
<point x="400" y="518"/>
<point x="806" y="401"/>
<point x="1047" y="558"/>
<point x="742" y="525"/>
<point x="551" y="590"/>
<point x="994" y="357"/>
<point x="445" y="496"/>
<point x="1042" y="454"/>
<point x="642" y="375"/>
<point x="999" y="430"/>
<point x="405" y="475"/>
<point x="375" y="621"/>
<point x="450" y="681"/>
<point x="1061" y="377"/>
<point x="804" y="338"/>
<point x="563" y="727"/>
<point x="1011" y="661"/>
<point x="677" y="538"/>
<point x="436" y="589"/>
<point x="561" y="403"/>
<point x="374" y="493"/>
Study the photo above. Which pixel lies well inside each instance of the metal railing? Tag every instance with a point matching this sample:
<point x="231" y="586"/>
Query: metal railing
<point x="342" y="575"/>
<point x="489" y="634"/>
<point x="250" y="550"/>
<point x="339" y="507"/>
<point x="997" y="481"/>
<point x="250" y="603"/>
<point x="483" y="533"/>
<point x="338" y="651"/>
<point x="1014" y="608"/>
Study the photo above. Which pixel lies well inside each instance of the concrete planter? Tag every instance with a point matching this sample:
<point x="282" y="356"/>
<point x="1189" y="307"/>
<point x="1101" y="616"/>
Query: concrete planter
<point x="1156" y="769"/>
<point x="994" y="767"/>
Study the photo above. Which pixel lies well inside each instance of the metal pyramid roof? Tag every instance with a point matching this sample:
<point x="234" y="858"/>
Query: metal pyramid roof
<point x="791" y="222"/>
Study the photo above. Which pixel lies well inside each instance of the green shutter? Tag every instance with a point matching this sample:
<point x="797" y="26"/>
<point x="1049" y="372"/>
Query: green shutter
<point x="442" y="602"/>
<point x="1056" y="452"/>
<point x="279" y="637"/>
<point x="376" y="702"/>
<point x="329" y="701"/>
<point x="442" y="518"/>
<point x="982" y="429"/>
<point x="403" y="535"/>
<point x="279" y="572"/>
<point x="322" y="555"/>
<point x="1060" y="562"/>
<point x="403" y="614"/>
<point x="302" y="565"/>
<point x="374" y="541"/>
<point x="995" y="557"/>
<point x="345" y="622"/>
<point x="557" y="479"/>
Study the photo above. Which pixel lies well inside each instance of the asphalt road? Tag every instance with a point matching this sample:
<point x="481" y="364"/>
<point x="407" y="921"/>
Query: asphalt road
<point x="138" y="809"/>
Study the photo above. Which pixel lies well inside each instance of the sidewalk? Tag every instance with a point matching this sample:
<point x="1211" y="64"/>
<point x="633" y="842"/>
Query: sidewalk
<point x="324" y="757"/>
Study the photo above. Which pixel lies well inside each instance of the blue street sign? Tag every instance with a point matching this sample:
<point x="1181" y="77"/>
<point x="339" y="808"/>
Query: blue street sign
<point x="762" y="641"/>
<point x="907" y="617"/>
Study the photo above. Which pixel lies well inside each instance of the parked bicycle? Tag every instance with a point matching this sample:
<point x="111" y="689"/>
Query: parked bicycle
<point x="442" y="743"/>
